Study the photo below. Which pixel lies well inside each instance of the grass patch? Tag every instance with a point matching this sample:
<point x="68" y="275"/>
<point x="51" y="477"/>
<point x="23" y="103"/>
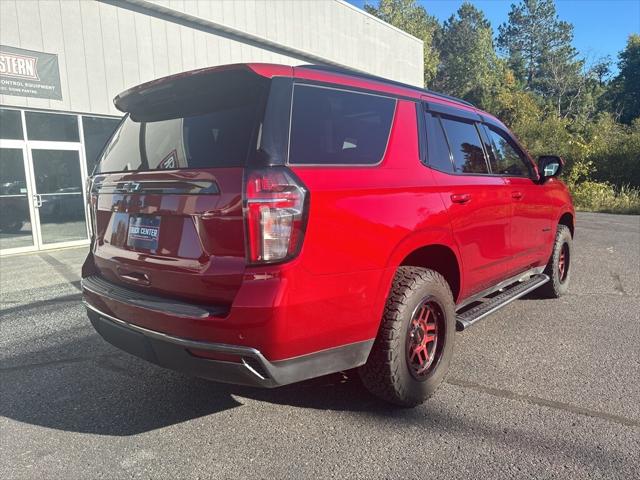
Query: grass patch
<point x="592" y="196"/>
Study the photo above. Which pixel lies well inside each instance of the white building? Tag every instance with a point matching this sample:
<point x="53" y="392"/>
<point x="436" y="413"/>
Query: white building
<point x="63" y="61"/>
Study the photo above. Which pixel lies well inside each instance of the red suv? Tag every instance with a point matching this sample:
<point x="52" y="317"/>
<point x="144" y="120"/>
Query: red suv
<point x="265" y="224"/>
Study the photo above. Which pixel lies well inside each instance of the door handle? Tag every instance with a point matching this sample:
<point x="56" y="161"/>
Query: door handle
<point x="134" y="277"/>
<point x="461" y="197"/>
<point x="37" y="201"/>
<point x="516" y="195"/>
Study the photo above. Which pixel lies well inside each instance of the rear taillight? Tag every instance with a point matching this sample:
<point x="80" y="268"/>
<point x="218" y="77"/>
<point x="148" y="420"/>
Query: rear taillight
<point x="275" y="212"/>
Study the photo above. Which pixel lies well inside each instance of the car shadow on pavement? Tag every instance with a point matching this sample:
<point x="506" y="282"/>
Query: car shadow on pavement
<point x="108" y="392"/>
<point x="85" y="385"/>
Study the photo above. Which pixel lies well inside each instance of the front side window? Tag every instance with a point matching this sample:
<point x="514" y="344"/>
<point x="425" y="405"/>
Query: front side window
<point x="330" y="126"/>
<point x="506" y="160"/>
<point x="466" y="146"/>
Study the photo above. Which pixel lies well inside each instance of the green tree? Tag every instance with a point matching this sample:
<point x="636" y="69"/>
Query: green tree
<point x="411" y="17"/>
<point x="469" y="67"/>
<point x="626" y="86"/>
<point x="538" y="46"/>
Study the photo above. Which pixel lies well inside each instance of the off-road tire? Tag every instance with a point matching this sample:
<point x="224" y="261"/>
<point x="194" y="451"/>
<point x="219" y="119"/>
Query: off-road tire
<point x="557" y="285"/>
<point x="387" y="374"/>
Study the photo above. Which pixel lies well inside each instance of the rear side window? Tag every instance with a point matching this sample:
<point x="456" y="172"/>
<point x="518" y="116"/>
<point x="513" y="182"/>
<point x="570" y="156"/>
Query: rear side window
<point x="437" y="148"/>
<point x="466" y="146"/>
<point x="330" y="126"/>
<point x="506" y="160"/>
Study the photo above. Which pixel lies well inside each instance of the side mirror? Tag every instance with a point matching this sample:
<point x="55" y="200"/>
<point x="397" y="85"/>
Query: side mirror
<point x="549" y="166"/>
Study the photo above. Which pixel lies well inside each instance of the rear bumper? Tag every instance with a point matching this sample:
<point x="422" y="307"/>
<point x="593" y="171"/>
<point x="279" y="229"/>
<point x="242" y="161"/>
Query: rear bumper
<point x="251" y="367"/>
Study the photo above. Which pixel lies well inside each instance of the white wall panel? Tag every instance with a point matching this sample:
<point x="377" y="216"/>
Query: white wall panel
<point x="111" y="46"/>
<point x="96" y="71"/>
<point x="103" y="49"/>
<point x="159" y="43"/>
<point x="53" y="40"/>
<point x="31" y="38"/>
<point x="145" y="50"/>
<point x="79" y="98"/>
<point x="129" y="48"/>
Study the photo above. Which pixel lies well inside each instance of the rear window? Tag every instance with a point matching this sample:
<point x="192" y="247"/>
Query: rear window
<point x="466" y="147"/>
<point x="330" y="126"/>
<point x="217" y="139"/>
<point x="212" y="124"/>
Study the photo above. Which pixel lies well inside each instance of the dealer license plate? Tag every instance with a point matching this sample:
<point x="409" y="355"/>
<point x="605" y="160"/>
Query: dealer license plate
<point x="144" y="232"/>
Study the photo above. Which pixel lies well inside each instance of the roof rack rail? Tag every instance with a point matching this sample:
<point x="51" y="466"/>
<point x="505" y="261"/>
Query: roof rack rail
<point x="359" y="74"/>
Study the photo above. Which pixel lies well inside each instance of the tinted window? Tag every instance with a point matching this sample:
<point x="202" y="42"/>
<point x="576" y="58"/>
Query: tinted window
<point x="337" y="127"/>
<point x="52" y="126"/>
<point x="506" y="159"/>
<point x="10" y="124"/>
<point x="217" y="139"/>
<point x="97" y="131"/>
<point x="437" y="148"/>
<point x="466" y="147"/>
<point x="123" y="151"/>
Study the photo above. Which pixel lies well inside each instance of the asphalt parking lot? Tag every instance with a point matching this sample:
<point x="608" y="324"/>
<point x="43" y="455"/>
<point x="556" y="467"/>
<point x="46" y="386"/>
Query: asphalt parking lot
<point x="541" y="389"/>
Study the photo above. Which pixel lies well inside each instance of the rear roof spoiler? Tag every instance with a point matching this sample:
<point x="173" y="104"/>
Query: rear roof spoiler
<point x="194" y="92"/>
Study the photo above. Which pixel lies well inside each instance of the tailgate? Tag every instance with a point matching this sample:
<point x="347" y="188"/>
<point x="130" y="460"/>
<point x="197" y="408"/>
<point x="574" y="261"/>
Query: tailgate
<point x="167" y="193"/>
<point x="180" y="234"/>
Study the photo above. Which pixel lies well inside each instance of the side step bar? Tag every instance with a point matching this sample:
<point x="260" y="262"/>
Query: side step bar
<point x="490" y="305"/>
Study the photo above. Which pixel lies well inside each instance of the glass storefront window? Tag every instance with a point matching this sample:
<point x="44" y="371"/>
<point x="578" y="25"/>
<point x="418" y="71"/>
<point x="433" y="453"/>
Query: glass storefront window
<point x="58" y="184"/>
<point x="10" y="124"/>
<point x="37" y="169"/>
<point x="52" y="126"/>
<point x="97" y="131"/>
<point x="15" y="220"/>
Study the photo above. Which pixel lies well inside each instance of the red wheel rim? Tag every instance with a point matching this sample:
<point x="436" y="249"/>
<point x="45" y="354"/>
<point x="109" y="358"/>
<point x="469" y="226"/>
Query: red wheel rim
<point x="563" y="262"/>
<point x="423" y="343"/>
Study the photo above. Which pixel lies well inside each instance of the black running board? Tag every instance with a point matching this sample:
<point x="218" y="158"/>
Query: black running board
<point x="489" y="305"/>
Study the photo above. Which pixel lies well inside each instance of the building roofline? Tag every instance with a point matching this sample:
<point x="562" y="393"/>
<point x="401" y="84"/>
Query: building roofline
<point x="373" y="17"/>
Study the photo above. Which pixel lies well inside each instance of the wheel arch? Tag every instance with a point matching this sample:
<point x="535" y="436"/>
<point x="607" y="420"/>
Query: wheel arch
<point x="567" y="219"/>
<point x="428" y="249"/>
<point x="440" y="258"/>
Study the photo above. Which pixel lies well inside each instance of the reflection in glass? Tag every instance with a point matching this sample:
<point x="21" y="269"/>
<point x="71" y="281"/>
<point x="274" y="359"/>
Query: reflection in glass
<point x="507" y="161"/>
<point x="15" y="222"/>
<point x="97" y="131"/>
<point x="59" y="185"/>
<point x="466" y="148"/>
<point x="10" y="124"/>
<point x="52" y="126"/>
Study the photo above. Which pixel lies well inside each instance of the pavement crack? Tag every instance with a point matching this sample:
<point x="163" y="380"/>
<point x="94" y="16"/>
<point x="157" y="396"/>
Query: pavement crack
<point x="542" y="402"/>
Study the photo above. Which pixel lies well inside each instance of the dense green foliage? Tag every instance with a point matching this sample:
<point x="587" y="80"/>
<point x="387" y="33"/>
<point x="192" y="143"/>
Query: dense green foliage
<point x="532" y="78"/>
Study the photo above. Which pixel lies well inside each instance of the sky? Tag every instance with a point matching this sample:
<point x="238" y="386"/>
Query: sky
<point x="601" y="27"/>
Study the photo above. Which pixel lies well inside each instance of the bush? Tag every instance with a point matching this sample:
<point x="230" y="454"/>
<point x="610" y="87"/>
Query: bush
<point x="593" y="196"/>
<point x="615" y="151"/>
